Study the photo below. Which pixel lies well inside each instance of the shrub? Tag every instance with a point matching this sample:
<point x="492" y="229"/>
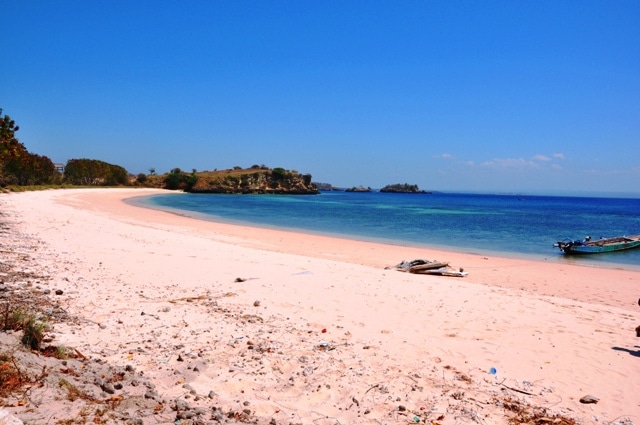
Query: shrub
<point x="172" y="181"/>
<point x="34" y="330"/>
<point x="278" y="173"/>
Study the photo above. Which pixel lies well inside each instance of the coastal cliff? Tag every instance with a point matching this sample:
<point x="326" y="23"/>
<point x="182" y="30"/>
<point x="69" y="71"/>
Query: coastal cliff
<point x="253" y="181"/>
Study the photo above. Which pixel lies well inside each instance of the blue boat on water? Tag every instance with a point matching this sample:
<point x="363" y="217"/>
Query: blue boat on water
<point x="595" y="246"/>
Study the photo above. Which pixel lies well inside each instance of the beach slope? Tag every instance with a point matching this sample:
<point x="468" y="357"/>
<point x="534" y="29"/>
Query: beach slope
<point x="235" y="323"/>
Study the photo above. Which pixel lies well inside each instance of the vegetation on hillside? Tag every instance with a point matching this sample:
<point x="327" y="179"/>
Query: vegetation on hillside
<point x="19" y="168"/>
<point x="256" y="179"/>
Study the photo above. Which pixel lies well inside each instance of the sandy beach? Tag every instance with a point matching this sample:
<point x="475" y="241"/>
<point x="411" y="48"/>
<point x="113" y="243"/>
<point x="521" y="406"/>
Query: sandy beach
<point x="221" y="323"/>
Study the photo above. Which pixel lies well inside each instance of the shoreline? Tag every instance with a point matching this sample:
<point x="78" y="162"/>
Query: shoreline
<point x="553" y="255"/>
<point x="294" y="327"/>
<point x="379" y="255"/>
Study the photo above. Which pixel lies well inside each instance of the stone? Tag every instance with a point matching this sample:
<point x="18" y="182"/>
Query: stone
<point x="589" y="399"/>
<point x="107" y="388"/>
<point x="152" y="394"/>
<point x="189" y="388"/>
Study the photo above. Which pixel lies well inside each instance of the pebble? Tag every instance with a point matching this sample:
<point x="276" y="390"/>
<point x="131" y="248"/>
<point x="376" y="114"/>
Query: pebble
<point x="107" y="388"/>
<point x="181" y="405"/>
<point x="152" y="394"/>
<point x="185" y="415"/>
<point x="589" y="399"/>
<point x="189" y="388"/>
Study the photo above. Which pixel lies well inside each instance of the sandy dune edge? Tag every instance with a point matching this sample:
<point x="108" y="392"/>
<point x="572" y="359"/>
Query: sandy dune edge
<point x="319" y="332"/>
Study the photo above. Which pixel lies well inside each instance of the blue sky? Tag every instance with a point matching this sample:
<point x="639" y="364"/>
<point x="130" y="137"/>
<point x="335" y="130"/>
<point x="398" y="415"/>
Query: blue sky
<point x="482" y="96"/>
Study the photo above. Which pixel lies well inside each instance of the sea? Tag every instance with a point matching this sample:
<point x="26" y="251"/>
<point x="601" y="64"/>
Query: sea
<point x="507" y="225"/>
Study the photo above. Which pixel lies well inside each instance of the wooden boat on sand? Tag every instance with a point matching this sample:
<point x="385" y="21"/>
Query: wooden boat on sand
<point x="429" y="267"/>
<point x="595" y="246"/>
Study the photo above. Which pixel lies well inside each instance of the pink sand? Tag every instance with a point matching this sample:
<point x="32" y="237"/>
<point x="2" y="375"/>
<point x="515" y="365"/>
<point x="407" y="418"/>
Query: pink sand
<point x="330" y="324"/>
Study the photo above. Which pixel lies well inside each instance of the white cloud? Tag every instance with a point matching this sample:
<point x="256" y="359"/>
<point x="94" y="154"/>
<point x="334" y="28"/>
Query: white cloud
<point x="545" y="158"/>
<point x="540" y="158"/>
<point x="449" y="157"/>
<point x="509" y="163"/>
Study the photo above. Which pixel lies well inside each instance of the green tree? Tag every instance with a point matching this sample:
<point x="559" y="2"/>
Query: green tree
<point x="172" y="181"/>
<point x="307" y="179"/>
<point x="92" y="172"/>
<point x="17" y="165"/>
<point x="190" y="181"/>
<point x="11" y="150"/>
<point x="176" y="179"/>
<point x="279" y="172"/>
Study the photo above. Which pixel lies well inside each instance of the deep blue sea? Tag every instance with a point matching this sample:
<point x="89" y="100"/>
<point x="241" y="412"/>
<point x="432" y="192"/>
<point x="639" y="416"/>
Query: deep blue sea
<point x="515" y="226"/>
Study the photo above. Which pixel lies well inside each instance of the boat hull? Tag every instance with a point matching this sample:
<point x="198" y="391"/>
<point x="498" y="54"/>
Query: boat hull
<point x="600" y="246"/>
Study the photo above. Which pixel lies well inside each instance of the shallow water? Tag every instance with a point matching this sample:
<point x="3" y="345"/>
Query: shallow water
<point x="516" y="226"/>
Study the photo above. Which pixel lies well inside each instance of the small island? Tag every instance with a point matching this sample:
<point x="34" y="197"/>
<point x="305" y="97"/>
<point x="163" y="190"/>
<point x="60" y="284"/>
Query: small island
<point x="328" y="187"/>
<point x="358" y="189"/>
<point x="403" y="188"/>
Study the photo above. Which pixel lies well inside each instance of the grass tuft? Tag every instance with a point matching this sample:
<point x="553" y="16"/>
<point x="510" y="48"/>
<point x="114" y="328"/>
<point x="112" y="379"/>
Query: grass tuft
<point x="34" y="330"/>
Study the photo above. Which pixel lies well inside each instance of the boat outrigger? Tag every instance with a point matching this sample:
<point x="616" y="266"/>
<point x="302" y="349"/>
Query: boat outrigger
<point x="594" y="246"/>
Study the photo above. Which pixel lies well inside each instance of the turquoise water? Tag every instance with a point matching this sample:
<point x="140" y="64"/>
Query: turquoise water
<point x="509" y="225"/>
